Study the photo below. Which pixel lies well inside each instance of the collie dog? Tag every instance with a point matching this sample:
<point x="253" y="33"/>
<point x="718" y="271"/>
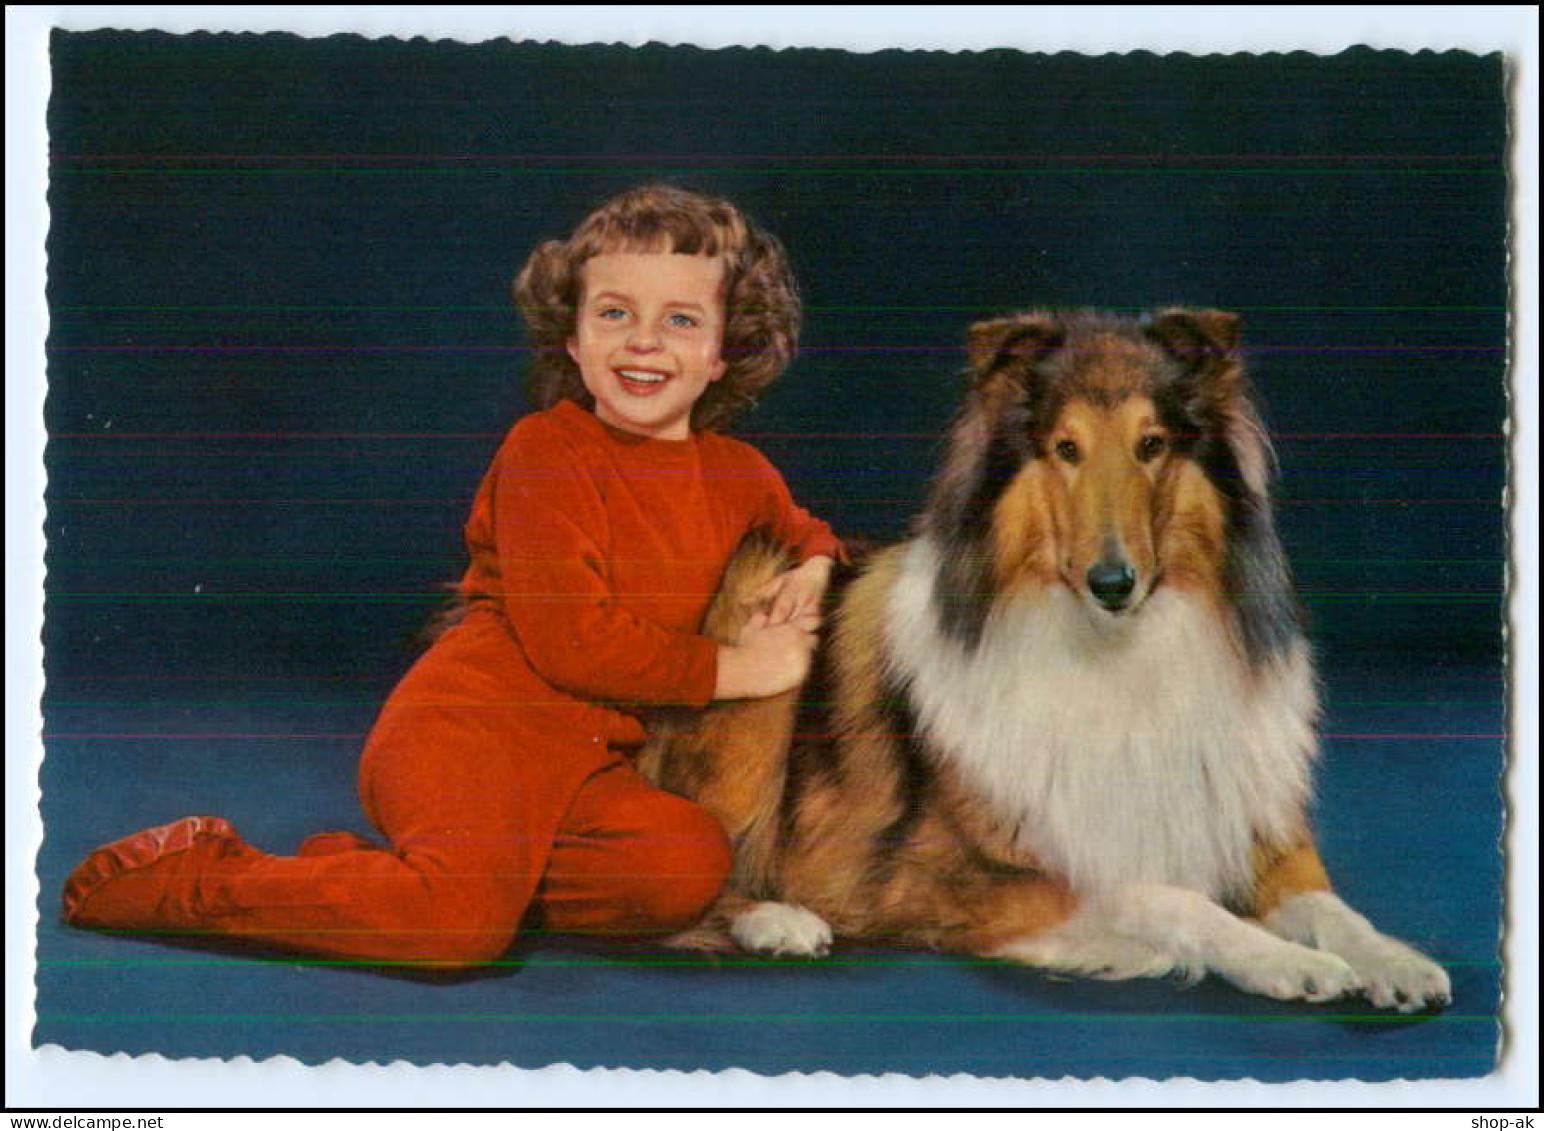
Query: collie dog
<point x="1070" y="722"/>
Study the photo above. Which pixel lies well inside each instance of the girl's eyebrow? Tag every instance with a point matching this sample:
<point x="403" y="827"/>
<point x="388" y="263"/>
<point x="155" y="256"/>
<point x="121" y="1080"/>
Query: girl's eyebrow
<point x="618" y="296"/>
<point x="609" y="296"/>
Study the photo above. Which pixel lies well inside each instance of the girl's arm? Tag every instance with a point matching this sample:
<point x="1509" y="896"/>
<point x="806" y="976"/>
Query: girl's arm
<point x="806" y="536"/>
<point x="550" y="529"/>
<point x="798" y="592"/>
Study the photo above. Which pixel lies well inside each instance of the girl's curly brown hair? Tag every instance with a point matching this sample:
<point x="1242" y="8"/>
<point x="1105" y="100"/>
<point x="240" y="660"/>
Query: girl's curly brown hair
<point x="761" y="300"/>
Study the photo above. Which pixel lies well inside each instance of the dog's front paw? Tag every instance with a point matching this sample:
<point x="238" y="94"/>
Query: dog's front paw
<point x="1293" y="973"/>
<point x="1396" y="976"/>
<point x="781" y="928"/>
<point x="1392" y="975"/>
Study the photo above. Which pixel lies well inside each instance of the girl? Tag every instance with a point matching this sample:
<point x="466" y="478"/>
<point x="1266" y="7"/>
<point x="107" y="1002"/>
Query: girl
<point x="498" y="769"/>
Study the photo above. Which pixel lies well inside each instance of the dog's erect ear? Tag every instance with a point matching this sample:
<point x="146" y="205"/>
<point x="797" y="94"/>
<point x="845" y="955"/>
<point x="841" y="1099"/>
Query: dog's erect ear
<point x="1202" y="341"/>
<point x="1013" y="343"/>
<point x="1204" y="346"/>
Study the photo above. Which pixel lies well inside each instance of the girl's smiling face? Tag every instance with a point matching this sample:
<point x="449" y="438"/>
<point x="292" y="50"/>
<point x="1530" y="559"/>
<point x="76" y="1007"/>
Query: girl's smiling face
<point x="648" y="336"/>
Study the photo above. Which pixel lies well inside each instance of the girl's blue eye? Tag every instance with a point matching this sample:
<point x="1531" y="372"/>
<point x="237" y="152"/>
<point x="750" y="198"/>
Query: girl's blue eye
<point x="612" y="313"/>
<point x="684" y="321"/>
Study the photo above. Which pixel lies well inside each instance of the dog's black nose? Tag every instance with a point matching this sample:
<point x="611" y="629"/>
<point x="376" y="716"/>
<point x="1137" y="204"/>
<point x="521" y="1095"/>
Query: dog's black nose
<point x="1111" y="583"/>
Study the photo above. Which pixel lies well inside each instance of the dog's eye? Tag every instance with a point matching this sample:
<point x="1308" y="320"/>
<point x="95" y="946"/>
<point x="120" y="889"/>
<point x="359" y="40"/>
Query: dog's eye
<point x="1150" y="448"/>
<point x="1067" y="451"/>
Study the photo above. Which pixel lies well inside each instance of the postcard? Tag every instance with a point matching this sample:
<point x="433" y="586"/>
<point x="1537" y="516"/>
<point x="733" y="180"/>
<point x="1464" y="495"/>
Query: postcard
<point x="1135" y="424"/>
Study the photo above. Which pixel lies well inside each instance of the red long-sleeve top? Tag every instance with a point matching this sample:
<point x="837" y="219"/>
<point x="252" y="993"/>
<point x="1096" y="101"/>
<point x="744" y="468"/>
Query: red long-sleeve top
<point x="601" y="550"/>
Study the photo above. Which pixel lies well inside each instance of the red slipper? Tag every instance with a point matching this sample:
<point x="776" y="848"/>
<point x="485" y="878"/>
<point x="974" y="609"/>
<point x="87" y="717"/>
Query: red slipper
<point x="149" y="881"/>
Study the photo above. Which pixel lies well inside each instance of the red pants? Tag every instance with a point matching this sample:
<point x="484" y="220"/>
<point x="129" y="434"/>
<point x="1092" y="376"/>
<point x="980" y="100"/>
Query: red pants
<point x="489" y="814"/>
<point x="626" y="859"/>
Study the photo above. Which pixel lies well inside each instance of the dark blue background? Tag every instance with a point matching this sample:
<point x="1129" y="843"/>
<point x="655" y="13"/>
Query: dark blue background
<point x="281" y="354"/>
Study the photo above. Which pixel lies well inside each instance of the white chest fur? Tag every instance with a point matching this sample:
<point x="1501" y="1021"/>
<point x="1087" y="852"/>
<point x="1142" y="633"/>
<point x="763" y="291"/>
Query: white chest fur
<point x="1137" y="751"/>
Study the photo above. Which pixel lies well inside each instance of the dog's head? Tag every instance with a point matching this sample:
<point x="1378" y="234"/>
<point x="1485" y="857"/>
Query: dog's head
<point x="1108" y="455"/>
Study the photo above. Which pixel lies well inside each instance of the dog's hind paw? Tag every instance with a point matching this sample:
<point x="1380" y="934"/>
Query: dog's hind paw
<point x="781" y="929"/>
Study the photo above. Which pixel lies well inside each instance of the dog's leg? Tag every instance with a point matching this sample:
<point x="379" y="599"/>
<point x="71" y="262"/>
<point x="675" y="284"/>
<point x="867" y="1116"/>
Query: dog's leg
<point x="1084" y="947"/>
<point x="1151" y="929"/>
<point x="1293" y="899"/>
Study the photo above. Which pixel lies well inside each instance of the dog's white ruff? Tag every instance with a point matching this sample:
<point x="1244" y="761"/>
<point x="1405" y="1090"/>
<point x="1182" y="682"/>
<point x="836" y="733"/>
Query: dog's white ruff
<point x="1136" y="749"/>
<point x="781" y="928"/>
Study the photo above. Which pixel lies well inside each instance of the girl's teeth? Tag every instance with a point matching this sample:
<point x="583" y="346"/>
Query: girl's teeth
<point x="647" y="378"/>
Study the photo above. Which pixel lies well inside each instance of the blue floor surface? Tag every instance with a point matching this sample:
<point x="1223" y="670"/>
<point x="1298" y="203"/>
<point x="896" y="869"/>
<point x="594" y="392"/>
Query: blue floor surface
<point x="1409" y="826"/>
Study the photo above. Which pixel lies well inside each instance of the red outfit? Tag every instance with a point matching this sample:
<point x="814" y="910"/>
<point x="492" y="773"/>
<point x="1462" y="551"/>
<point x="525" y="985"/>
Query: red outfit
<point x="497" y="768"/>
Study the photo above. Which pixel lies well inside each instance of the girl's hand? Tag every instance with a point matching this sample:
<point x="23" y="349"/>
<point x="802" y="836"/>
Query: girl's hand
<point x="767" y="659"/>
<point x="796" y="595"/>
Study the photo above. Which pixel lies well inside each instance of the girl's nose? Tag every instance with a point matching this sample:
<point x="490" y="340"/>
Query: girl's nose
<point x="643" y="339"/>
